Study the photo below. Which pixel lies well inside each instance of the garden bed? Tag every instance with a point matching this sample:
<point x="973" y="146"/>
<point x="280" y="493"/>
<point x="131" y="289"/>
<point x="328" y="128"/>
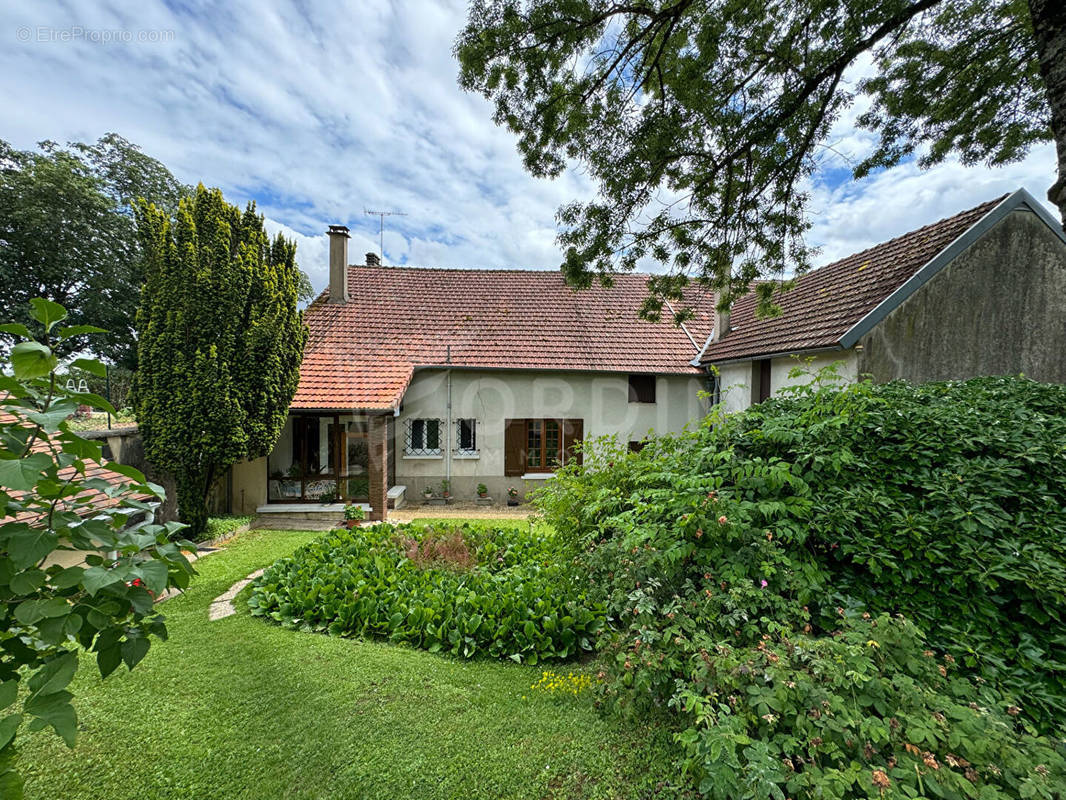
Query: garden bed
<point x="508" y="592"/>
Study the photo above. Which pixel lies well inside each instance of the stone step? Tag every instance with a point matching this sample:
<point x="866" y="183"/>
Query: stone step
<point x="293" y="522"/>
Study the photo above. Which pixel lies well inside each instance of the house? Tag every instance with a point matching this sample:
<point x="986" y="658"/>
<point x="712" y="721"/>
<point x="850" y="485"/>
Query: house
<point x="414" y="376"/>
<point x="980" y="293"/>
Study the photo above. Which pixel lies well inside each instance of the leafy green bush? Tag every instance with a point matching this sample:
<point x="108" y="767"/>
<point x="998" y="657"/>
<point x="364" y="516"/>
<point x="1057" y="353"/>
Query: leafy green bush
<point x="81" y="561"/>
<point x="773" y="532"/>
<point x="507" y="592"/>
<point x="223" y="525"/>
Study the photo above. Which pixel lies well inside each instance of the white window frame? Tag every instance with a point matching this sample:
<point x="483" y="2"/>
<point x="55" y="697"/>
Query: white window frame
<point x="415" y="447"/>
<point x="461" y="452"/>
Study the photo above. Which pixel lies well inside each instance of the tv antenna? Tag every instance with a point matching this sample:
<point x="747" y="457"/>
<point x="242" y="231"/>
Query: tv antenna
<point x="381" y="228"/>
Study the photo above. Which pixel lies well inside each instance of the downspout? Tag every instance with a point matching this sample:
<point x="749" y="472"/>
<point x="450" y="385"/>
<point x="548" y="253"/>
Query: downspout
<point x="448" y="430"/>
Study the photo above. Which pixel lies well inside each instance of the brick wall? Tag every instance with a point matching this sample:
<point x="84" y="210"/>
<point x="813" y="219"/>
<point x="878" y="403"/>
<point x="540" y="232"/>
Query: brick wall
<point x="378" y="466"/>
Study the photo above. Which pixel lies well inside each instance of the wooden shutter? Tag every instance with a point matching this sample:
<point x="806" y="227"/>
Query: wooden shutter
<point x="514" y="447"/>
<point x="764" y="380"/>
<point x="573" y="431"/>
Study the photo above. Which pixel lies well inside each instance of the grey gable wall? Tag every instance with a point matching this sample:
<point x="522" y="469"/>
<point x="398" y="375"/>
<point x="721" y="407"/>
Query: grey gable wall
<point x="999" y="308"/>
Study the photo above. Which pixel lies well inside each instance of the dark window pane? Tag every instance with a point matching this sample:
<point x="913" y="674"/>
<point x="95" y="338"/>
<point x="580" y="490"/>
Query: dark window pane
<point x="551" y="442"/>
<point x="764" y="379"/>
<point x="467" y="435"/>
<point x="641" y="388"/>
<point x="533" y="442"/>
<point x="417" y="434"/>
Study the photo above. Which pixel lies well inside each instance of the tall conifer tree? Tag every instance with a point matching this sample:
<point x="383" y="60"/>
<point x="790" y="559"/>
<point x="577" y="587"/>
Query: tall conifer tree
<point x="220" y="342"/>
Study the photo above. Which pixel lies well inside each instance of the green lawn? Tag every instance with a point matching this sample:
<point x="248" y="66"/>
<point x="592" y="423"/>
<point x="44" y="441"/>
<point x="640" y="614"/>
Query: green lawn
<point x="240" y="708"/>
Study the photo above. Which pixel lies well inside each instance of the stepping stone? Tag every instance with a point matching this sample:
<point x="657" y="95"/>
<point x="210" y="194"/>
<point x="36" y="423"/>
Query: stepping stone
<point x="222" y="606"/>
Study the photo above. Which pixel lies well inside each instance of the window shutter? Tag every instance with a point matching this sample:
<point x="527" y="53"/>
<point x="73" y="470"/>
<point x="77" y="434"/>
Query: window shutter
<point x="764" y="380"/>
<point x="573" y="431"/>
<point x="514" y="447"/>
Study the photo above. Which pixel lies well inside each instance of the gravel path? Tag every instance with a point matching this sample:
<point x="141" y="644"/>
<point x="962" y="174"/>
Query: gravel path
<point x="460" y="511"/>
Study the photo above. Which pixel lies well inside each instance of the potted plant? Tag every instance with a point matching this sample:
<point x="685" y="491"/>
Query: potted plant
<point x="353" y="515"/>
<point x="328" y="496"/>
<point x="446" y="489"/>
<point x="512" y="496"/>
<point x="482" y="491"/>
<point x="427" y="492"/>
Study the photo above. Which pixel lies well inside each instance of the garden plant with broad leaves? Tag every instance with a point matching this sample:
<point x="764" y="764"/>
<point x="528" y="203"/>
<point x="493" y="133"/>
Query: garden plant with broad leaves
<point x="53" y="501"/>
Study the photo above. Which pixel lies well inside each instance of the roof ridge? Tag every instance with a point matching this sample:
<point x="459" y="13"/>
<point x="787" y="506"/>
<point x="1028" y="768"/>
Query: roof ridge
<point x="830" y="305"/>
<point x="509" y="270"/>
<point x="942" y="221"/>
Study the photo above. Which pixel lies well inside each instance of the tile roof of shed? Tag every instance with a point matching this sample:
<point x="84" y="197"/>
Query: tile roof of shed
<point x="827" y="302"/>
<point x="362" y="354"/>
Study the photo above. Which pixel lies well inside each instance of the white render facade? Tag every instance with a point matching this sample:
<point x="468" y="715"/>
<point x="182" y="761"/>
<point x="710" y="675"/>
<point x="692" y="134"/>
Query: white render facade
<point x="739" y="379"/>
<point x="490" y="397"/>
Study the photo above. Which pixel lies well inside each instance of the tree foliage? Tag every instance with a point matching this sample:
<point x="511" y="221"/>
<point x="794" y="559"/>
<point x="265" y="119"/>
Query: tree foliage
<point x="53" y="502"/>
<point x="220" y="341"/>
<point x="702" y="121"/>
<point x="67" y="234"/>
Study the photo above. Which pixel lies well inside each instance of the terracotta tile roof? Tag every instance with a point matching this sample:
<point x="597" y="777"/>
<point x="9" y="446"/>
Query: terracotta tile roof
<point x="828" y="301"/>
<point x="361" y="354"/>
<point x="92" y="470"/>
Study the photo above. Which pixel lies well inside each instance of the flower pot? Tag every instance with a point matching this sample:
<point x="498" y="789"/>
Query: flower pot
<point x="351" y="523"/>
<point x="512" y="501"/>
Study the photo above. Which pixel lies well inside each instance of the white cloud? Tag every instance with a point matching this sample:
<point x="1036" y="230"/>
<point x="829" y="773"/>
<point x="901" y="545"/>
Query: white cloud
<point x="857" y="215"/>
<point x="317" y="113"/>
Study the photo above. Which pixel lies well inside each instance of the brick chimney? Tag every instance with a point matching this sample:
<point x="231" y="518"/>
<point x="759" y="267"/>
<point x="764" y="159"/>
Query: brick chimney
<point x="721" y="323"/>
<point x="338" y="264"/>
<point x="372" y="260"/>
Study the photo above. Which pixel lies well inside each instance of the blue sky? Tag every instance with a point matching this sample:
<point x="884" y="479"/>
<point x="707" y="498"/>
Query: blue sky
<point x="319" y="111"/>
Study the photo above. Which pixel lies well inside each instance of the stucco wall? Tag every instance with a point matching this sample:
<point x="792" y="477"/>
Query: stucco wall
<point x="249" y="485"/>
<point x="126" y="447"/>
<point x="736" y="378"/>
<point x="999" y="308"/>
<point x="491" y="397"/>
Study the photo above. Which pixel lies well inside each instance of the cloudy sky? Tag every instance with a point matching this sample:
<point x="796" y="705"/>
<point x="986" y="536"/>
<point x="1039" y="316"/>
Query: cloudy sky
<point x="319" y="111"/>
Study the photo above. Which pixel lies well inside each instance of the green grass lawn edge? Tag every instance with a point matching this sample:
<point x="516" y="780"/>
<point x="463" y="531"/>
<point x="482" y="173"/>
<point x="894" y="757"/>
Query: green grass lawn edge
<point x="243" y="708"/>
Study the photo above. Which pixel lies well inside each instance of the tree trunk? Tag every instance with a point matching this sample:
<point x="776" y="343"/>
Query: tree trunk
<point x="1049" y="27"/>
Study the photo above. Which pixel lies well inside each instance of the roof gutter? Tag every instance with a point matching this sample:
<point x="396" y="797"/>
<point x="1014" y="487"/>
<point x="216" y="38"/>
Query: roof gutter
<point x="783" y="354"/>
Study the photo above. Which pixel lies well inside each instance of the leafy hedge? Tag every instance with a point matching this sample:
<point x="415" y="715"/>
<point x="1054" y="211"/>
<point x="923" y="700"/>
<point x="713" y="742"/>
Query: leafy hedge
<point x="220" y="526"/>
<point x="751" y="570"/>
<point x="507" y="592"/>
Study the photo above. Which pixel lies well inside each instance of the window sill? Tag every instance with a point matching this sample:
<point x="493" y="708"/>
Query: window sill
<point x="466" y="456"/>
<point x="538" y="476"/>
<point x="413" y="457"/>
